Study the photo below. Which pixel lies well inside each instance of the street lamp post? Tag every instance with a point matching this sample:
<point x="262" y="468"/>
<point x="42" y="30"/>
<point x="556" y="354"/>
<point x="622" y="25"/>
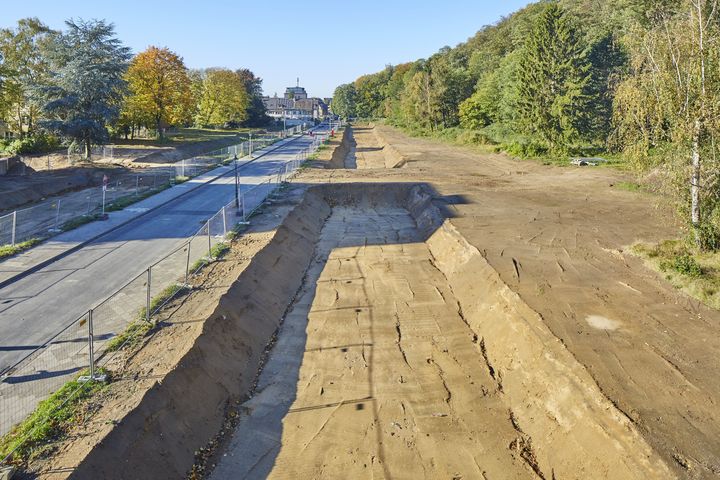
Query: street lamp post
<point x="237" y="185"/>
<point x="284" y="124"/>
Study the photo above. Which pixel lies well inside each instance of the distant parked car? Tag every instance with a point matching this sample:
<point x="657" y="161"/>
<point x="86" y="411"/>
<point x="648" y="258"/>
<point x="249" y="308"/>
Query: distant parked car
<point x="231" y="125"/>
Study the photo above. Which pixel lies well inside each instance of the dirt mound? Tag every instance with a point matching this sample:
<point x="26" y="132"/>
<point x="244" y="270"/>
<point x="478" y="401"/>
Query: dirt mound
<point x="19" y="190"/>
<point x="187" y="150"/>
<point x="374" y="150"/>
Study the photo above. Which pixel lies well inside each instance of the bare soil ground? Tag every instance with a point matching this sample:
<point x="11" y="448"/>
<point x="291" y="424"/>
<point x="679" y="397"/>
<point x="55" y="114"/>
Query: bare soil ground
<point x="482" y="321"/>
<point x="557" y="237"/>
<point x="25" y="186"/>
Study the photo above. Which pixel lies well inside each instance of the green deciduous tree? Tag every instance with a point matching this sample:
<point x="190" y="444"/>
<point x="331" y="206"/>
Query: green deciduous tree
<point x="159" y="90"/>
<point x="344" y="101"/>
<point x="224" y="98"/>
<point x="552" y="79"/>
<point x="25" y="51"/>
<point x="671" y="103"/>
<point x="418" y="101"/>
<point x="86" y="85"/>
<point x="370" y="93"/>
<point x="256" y="112"/>
<point x="451" y="84"/>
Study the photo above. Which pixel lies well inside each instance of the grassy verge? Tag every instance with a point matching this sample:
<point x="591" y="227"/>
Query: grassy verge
<point x="130" y="337"/>
<point x="50" y="421"/>
<point x="10" y="250"/>
<point x="218" y="251"/>
<point x="161" y="298"/>
<point x="127" y="200"/>
<point x="79" y="221"/>
<point x="695" y="273"/>
<point x="630" y="186"/>
<point x="236" y="232"/>
<point x="137" y="330"/>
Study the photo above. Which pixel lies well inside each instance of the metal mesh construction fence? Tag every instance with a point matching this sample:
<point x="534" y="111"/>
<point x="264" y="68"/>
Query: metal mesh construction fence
<point x="91" y="340"/>
<point x="57" y="215"/>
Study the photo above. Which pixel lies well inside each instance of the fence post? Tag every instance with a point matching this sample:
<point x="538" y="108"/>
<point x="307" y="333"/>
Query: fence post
<point x="149" y="300"/>
<point x="92" y="376"/>
<point x="187" y="264"/>
<point x="224" y="222"/>
<point x="14" y="227"/>
<point x="242" y="203"/>
<point x="209" y="241"/>
<point x="91" y="344"/>
<point x="57" y="214"/>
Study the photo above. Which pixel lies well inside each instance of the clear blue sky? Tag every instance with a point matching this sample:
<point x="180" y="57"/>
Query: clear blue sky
<point x="324" y="43"/>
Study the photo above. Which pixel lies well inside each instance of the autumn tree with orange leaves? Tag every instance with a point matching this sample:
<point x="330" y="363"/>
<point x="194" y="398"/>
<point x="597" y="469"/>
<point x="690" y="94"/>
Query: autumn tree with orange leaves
<point x="159" y="90"/>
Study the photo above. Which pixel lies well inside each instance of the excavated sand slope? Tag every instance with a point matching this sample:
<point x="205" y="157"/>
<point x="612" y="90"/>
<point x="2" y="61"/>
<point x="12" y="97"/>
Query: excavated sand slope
<point x="374" y="152"/>
<point x="405" y="356"/>
<point x="184" y="410"/>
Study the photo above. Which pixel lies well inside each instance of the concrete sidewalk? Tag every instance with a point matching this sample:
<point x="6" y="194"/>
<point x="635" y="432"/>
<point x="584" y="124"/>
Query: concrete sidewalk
<point x="16" y="267"/>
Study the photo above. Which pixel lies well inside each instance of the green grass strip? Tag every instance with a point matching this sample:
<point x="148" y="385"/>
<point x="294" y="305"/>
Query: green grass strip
<point x="49" y="422"/>
<point x="10" y="250"/>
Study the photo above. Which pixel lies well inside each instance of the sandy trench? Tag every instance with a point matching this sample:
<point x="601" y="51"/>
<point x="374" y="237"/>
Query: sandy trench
<point x="361" y="382"/>
<point x="381" y="372"/>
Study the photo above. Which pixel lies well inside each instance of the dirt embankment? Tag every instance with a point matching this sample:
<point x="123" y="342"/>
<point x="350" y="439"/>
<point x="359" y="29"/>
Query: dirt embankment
<point x="180" y="414"/>
<point x="186" y="150"/>
<point x="24" y="186"/>
<point x="345" y="148"/>
<point x="20" y="190"/>
<point x="373" y="151"/>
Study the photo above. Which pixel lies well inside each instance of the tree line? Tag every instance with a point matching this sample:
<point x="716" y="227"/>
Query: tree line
<point x="82" y="85"/>
<point x="576" y="77"/>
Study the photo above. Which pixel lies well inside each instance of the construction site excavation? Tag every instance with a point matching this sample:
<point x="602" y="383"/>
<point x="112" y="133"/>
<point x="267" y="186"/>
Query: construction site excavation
<point x="386" y="315"/>
<point x="245" y="243"/>
<point x="403" y="356"/>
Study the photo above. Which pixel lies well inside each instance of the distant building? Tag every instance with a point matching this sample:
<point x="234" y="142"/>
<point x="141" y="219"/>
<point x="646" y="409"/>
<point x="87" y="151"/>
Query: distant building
<point x="5" y="131"/>
<point x="296" y="93"/>
<point x="295" y="106"/>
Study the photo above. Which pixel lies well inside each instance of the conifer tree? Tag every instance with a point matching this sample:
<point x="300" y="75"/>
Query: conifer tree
<point x="553" y="75"/>
<point x="86" y="86"/>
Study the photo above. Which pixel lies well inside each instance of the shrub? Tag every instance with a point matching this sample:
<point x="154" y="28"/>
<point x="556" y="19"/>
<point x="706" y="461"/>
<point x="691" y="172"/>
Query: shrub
<point x="525" y="150"/>
<point x="683" y="263"/>
<point x="38" y="143"/>
<point x="473" y="137"/>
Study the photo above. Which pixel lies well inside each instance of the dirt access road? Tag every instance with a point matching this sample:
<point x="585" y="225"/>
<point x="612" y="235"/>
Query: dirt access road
<point x="463" y="316"/>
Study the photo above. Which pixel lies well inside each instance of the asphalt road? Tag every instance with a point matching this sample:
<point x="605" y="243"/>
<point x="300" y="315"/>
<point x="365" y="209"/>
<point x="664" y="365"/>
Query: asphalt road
<point x="34" y="308"/>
